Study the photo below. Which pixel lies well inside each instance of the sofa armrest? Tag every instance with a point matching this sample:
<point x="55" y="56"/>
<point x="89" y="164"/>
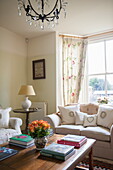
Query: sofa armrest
<point x="111" y="132"/>
<point x="53" y="119"/>
<point x="15" y="123"/>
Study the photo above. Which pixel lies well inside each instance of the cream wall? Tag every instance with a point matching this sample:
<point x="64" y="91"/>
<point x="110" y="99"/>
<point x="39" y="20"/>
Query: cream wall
<point x="16" y="69"/>
<point x="13" y="68"/>
<point x="44" y="47"/>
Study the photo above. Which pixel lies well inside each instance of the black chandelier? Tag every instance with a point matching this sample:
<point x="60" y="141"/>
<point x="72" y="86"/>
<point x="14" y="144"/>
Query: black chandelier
<point x="35" y="11"/>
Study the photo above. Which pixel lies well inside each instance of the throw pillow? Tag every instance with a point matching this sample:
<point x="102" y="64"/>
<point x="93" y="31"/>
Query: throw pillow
<point x="105" y="116"/>
<point x="90" y="120"/>
<point x="4" y="117"/>
<point x="68" y="114"/>
<point x="79" y="118"/>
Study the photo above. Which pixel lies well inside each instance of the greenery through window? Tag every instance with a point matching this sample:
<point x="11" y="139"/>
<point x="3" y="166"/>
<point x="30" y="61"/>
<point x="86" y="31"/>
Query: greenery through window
<point x="100" y="70"/>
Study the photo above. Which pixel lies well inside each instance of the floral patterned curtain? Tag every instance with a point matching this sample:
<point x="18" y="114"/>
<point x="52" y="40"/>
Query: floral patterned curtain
<point x="73" y="61"/>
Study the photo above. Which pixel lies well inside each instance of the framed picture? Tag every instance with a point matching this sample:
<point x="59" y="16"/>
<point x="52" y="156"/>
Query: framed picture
<point x="39" y="69"/>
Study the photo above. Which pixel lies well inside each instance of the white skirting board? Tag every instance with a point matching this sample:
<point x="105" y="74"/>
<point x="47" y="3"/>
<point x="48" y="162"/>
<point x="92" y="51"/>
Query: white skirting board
<point x="41" y="113"/>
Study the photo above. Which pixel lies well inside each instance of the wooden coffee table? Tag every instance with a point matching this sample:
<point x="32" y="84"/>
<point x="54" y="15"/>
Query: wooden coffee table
<point x="30" y="159"/>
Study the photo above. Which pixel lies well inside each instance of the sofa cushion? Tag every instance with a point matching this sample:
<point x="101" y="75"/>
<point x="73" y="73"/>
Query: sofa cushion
<point x="68" y="114"/>
<point x="4" y="117"/>
<point x="90" y="120"/>
<point x="79" y="120"/>
<point x="69" y="129"/>
<point x="99" y="133"/>
<point x="105" y="116"/>
<point x="89" y="108"/>
<point x="5" y="134"/>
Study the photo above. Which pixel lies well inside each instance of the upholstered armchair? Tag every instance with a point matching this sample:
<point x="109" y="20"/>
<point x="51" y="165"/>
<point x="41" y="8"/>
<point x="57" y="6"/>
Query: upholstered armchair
<point x="9" y="126"/>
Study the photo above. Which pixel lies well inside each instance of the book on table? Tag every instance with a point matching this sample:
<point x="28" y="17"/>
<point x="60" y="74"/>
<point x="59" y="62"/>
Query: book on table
<point x="20" y="145"/>
<point x="6" y="152"/>
<point x="22" y="139"/>
<point x="58" y="149"/>
<point x="73" y="140"/>
<point x="63" y="158"/>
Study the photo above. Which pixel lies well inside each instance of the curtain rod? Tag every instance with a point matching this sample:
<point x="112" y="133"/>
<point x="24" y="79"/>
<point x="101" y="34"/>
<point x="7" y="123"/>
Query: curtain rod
<point x="69" y="36"/>
<point x="85" y="37"/>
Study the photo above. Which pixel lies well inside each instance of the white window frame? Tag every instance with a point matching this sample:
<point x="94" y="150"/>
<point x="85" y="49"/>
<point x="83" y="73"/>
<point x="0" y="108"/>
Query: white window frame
<point x="106" y="73"/>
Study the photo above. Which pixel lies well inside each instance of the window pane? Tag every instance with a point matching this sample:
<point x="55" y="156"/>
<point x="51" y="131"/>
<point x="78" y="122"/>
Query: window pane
<point x="96" y="62"/>
<point x="110" y="87"/>
<point x="109" y="55"/>
<point x="96" y="87"/>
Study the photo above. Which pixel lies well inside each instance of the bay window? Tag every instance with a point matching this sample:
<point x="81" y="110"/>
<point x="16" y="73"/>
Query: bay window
<point x="100" y="70"/>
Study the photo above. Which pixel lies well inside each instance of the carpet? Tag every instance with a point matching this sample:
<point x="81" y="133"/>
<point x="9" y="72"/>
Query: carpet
<point x="98" y="165"/>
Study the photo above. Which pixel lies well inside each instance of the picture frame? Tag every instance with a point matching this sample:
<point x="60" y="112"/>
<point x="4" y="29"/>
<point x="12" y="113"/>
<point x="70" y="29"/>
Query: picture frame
<point x="38" y="69"/>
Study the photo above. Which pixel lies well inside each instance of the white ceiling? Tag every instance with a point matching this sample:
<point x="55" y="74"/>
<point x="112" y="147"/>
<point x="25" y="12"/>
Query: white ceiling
<point x="83" y="17"/>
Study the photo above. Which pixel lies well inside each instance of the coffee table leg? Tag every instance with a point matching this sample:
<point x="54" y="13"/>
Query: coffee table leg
<point x="91" y="159"/>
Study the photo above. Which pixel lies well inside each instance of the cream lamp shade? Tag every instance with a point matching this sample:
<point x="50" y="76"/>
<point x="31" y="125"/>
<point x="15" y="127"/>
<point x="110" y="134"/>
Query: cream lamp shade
<point x="26" y="90"/>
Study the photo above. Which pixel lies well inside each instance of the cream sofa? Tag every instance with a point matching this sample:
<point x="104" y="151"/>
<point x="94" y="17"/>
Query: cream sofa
<point x="103" y="135"/>
<point x="9" y="126"/>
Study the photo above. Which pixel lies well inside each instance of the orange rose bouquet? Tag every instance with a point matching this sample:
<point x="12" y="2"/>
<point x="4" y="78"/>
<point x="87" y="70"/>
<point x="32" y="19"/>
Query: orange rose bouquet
<point x="39" y="128"/>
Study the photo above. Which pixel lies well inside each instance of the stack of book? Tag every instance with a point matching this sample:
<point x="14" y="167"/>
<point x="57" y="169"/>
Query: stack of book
<point x="73" y="140"/>
<point x="58" y="151"/>
<point x="23" y="140"/>
<point x="6" y="152"/>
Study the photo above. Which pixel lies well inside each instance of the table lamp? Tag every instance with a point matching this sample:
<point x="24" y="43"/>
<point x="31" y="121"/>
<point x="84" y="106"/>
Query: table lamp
<point x="26" y="90"/>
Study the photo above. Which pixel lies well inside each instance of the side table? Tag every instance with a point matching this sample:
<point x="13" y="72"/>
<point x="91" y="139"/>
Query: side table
<point x="31" y="110"/>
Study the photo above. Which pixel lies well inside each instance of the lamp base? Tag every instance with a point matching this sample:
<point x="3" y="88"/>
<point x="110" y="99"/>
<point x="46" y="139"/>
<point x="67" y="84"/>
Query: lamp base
<point x="26" y="104"/>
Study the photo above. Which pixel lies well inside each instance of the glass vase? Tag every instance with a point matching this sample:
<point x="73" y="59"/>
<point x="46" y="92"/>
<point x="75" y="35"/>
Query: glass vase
<point x="40" y="142"/>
